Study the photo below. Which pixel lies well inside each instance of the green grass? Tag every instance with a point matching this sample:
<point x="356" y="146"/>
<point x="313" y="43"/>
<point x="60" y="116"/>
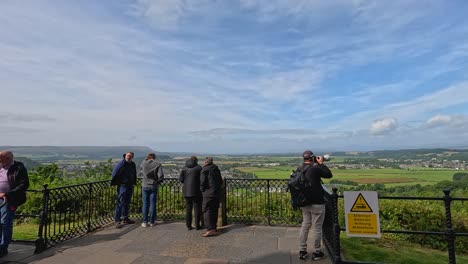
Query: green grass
<point x="25" y="231"/>
<point x="389" y="177"/>
<point x="393" y="177"/>
<point x="280" y="172"/>
<point x="396" y="252"/>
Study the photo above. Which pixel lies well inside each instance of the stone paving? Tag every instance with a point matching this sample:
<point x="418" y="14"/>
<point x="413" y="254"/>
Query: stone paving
<point x="171" y="243"/>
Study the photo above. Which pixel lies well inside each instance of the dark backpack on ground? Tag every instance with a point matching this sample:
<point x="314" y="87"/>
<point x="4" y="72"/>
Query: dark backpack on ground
<point x="299" y="187"/>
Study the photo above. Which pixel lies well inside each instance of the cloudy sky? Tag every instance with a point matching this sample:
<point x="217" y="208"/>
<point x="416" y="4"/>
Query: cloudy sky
<point x="234" y="76"/>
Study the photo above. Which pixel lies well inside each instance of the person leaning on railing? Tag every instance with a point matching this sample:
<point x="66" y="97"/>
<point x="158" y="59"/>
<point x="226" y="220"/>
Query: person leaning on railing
<point x="124" y="177"/>
<point x="190" y="177"/>
<point x="14" y="182"/>
<point x="152" y="175"/>
<point x="211" y="183"/>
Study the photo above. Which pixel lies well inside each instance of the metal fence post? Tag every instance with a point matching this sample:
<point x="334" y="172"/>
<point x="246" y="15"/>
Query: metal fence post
<point x="41" y="241"/>
<point x="268" y="202"/>
<point x="90" y="197"/>
<point x="448" y="227"/>
<point x="336" y="227"/>
<point x="223" y="204"/>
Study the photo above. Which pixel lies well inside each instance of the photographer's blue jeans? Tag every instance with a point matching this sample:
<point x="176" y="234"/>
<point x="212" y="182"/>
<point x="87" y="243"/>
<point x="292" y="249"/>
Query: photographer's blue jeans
<point x="124" y="197"/>
<point x="7" y="214"/>
<point x="149" y="195"/>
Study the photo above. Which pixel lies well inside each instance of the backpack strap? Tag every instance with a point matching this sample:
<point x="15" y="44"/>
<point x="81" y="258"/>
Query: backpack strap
<point x="304" y="169"/>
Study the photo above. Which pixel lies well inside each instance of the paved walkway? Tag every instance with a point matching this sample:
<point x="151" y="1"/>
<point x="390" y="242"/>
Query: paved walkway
<point x="171" y="243"/>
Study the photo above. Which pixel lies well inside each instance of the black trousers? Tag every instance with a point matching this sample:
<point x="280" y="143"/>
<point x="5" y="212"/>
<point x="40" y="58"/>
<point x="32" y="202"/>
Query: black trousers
<point x="210" y="212"/>
<point x="195" y="204"/>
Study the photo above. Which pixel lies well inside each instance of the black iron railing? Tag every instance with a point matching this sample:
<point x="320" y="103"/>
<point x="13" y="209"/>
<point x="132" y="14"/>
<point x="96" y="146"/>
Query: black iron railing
<point x="72" y="211"/>
<point x="259" y="201"/>
<point x="332" y="229"/>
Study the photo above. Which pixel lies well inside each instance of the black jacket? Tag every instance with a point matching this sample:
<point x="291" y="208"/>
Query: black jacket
<point x="19" y="183"/>
<point x="190" y="177"/>
<point x="124" y="173"/>
<point x="211" y="181"/>
<point x="314" y="175"/>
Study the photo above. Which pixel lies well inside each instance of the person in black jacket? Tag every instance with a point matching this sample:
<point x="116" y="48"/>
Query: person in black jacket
<point x="313" y="214"/>
<point x="190" y="177"/>
<point x="124" y="177"/>
<point x="210" y="185"/>
<point x="14" y="182"/>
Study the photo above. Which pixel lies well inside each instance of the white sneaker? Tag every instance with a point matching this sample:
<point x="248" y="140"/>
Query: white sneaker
<point x="152" y="224"/>
<point x="144" y="225"/>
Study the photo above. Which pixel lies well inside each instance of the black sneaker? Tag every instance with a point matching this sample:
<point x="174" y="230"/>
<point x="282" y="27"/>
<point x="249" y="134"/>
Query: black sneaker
<point x="303" y="254"/>
<point x="318" y="255"/>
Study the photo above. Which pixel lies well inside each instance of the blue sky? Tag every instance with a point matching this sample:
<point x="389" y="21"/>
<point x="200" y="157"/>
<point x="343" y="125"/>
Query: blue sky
<point x="242" y="76"/>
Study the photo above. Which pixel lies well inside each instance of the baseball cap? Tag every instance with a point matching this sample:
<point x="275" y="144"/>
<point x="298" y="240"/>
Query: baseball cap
<point x="307" y="154"/>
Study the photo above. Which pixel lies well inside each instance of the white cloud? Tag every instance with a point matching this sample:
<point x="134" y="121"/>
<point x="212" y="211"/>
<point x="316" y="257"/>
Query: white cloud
<point x="384" y="126"/>
<point x="439" y="120"/>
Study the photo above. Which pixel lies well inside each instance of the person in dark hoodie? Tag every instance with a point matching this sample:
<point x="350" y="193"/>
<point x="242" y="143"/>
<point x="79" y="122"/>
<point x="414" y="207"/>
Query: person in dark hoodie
<point x="124" y="177"/>
<point x="152" y="175"/>
<point x="210" y="185"/>
<point x="190" y="177"/>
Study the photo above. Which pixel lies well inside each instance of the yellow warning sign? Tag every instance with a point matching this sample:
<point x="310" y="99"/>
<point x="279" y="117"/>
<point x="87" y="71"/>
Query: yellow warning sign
<point x="362" y="224"/>
<point x="362" y="214"/>
<point x="361" y="205"/>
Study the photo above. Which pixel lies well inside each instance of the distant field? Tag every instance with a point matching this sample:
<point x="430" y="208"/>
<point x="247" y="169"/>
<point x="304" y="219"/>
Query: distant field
<point x="390" y="177"/>
<point x="280" y="172"/>
<point x="394" y="177"/>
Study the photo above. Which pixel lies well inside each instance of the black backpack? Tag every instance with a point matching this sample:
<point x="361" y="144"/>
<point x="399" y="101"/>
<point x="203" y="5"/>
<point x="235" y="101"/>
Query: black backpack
<point x="299" y="187"/>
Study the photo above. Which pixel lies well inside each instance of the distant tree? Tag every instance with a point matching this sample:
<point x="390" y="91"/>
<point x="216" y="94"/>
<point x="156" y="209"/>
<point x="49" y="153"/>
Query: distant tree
<point x="460" y="176"/>
<point x="46" y="174"/>
<point x="100" y="171"/>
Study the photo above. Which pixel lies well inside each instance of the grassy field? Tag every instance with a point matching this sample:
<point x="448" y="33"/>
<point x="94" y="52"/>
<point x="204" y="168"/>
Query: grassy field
<point x="25" y="231"/>
<point x="391" y="251"/>
<point x="389" y="177"/>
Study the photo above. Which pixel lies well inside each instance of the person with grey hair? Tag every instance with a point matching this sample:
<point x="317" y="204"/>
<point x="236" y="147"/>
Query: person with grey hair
<point x="210" y="185"/>
<point x="152" y="175"/>
<point x="14" y="182"/>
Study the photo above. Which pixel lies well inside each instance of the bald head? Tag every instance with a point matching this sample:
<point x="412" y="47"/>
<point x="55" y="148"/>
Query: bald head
<point x="6" y="157"/>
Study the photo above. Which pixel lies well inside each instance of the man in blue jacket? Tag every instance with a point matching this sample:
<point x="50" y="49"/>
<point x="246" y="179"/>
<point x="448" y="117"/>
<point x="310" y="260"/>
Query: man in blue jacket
<point x="124" y="177"/>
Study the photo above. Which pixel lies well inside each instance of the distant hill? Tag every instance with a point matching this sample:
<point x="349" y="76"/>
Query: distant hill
<point x="53" y="153"/>
<point x="28" y="163"/>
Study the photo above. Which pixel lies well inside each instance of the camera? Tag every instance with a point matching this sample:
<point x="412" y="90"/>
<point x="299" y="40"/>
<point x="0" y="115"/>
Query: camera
<point x="324" y="157"/>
